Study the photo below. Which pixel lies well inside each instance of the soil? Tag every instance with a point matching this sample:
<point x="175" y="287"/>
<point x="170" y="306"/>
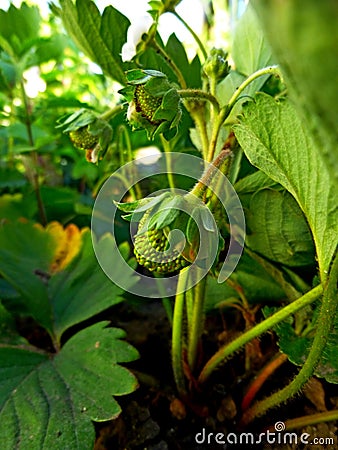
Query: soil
<point x="154" y="418"/>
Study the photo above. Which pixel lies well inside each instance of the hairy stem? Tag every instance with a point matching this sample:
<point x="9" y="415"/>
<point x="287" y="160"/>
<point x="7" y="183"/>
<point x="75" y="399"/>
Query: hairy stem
<point x="264" y="326"/>
<point x="226" y="110"/>
<point x="260" y="379"/>
<point x="324" y="324"/>
<point x="197" y="322"/>
<point x="177" y="333"/>
<point x="198" y="94"/>
<point x="312" y="419"/>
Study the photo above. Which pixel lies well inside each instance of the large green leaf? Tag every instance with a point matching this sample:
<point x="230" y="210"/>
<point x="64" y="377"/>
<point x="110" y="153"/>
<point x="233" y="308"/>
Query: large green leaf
<point x="277" y="229"/>
<point x="304" y="41"/>
<point x="276" y="140"/>
<point x="99" y="37"/>
<point x="56" y="272"/>
<point x="49" y="401"/>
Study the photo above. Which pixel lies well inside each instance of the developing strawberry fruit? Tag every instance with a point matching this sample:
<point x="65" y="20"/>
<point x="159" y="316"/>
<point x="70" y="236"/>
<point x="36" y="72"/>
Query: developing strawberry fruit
<point x="83" y="139"/>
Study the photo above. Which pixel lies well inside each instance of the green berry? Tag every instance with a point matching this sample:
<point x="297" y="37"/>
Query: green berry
<point x="83" y="139"/>
<point x="146" y="104"/>
<point x="148" y="246"/>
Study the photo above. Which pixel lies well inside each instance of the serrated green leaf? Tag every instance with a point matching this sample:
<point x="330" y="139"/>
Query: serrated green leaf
<point x="277" y="229"/>
<point x="60" y="278"/>
<point x="49" y="403"/>
<point x="276" y="141"/>
<point x="99" y="37"/>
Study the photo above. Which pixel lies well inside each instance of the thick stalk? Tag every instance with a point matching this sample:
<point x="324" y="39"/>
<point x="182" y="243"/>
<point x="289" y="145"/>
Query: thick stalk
<point x="197" y="323"/>
<point x="178" y="333"/>
<point x="264" y="326"/>
<point x="198" y="94"/>
<point x="324" y="324"/>
<point x="168" y="161"/>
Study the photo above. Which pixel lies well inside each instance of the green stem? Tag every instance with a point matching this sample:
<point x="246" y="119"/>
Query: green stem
<point x="207" y="178"/>
<point x="36" y="184"/>
<point x="226" y="110"/>
<point x="177" y="333"/>
<point x="198" y="94"/>
<point x="201" y="126"/>
<point x="312" y="419"/>
<point x="160" y="50"/>
<point x="169" y="172"/>
<point x="107" y="115"/>
<point x="123" y="142"/>
<point x="324" y="324"/>
<point x="197" y="323"/>
<point x="265" y="71"/>
<point x="192" y="32"/>
<point x="266" y="325"/>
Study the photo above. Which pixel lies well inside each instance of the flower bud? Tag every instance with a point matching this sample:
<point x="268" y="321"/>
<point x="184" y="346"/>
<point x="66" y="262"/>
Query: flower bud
<point x="216" y="65"/>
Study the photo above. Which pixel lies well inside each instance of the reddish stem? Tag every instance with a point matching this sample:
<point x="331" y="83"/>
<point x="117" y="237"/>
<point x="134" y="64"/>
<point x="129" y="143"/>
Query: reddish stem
<point x="265" y="373"/>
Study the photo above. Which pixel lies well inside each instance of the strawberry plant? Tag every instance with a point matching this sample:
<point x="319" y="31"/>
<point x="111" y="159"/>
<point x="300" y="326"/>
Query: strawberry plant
<point x="233" y="213"/>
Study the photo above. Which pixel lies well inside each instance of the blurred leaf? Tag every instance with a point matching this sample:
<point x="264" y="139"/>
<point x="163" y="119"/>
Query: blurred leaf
<point x="99" y="37"/>
<point x="304" y="41"/>
<point x="66" y="391"/>
<point x="250" y="50"/>
<point x="19" y="28"/>
<point x="15" y="206"/>
<point x="276" y="141"/>
<point x="11" y="179"/>
<point x="277" y="229"/>
<point x="60" y="278"/>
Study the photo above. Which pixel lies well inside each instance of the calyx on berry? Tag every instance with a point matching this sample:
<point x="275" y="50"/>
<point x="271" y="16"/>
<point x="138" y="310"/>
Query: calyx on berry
<point x="154" y="103"/>
<point x="87" y="132"/>
<point x="169" y="231"/>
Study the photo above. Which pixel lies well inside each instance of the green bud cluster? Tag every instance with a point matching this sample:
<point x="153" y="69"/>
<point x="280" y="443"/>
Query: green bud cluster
<point x="148" y="246"/>
<point x="216" y="65"/>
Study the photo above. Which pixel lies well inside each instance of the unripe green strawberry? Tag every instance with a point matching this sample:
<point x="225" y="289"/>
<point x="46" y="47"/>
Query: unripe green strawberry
<point x="150" y="243"/>
<point x="83" y="139"/>
<point x="146" y="104"/>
